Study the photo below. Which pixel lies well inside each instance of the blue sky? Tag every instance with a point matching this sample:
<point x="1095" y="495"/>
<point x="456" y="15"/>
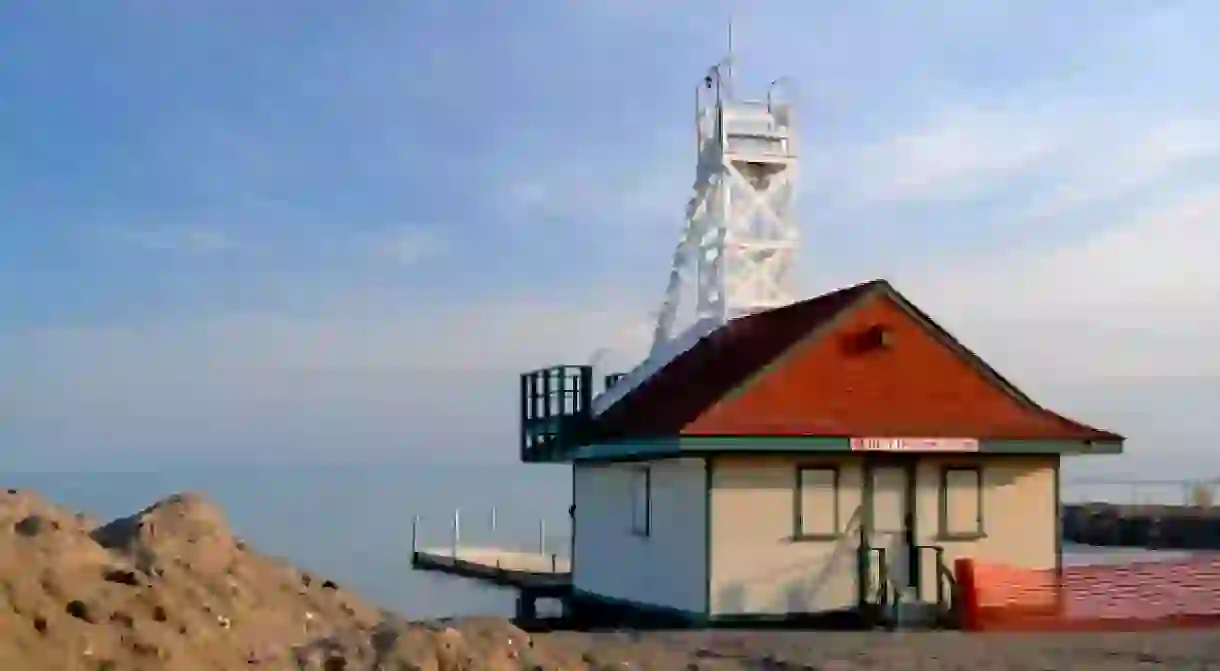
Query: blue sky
<point x="325" y="231"/>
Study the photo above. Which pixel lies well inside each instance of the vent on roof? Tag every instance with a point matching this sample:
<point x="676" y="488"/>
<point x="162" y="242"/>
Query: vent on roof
<point x="613" y="379"/>
<point x="871" y="339"/>
<point x="880" y="336"/>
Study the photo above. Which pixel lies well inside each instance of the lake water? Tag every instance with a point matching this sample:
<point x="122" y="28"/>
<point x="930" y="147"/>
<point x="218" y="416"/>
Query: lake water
<point x="1084" y="555"/>
<point x="353" y="522"/>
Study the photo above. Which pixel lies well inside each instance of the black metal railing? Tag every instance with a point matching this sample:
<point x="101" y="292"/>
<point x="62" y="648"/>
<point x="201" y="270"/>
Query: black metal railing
<point x="881" y="594"/>
<point x="874" y="599"/>
<point x="951" y="611"/>
<point x="555" y="410"/>
<point x="946" y="585"/>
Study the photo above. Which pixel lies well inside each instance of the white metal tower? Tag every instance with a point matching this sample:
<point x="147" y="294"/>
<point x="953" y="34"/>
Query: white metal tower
<point x="738" y="247"/>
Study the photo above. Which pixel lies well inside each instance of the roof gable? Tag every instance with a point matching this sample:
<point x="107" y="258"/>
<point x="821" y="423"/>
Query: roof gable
<point x="719" y="363"/>
<point x="806" y="369"/>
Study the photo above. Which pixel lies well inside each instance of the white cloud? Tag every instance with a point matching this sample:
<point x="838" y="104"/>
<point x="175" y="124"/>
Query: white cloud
<point x="1083" y="295"/>
<point x="1090" y="308"/>
<point x="1106" y="161"/>
<point x="1096" y="327"/>
<point x="1065" y="158"/>
<point x="960" y="154"/>
<point x="1135" y="300"/>
<point x="1054" y="161"/>
<point x="619" y="192"/>
<point x="410" y="245"/>
<point x="360" y="375"/>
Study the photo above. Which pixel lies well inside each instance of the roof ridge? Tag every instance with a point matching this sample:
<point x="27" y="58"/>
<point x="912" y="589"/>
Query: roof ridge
<point x="729" y="357"/>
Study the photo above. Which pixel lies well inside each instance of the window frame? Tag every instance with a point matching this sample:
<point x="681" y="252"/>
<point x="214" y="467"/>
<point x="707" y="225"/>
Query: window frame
<point x="943" y="532"/>
<point x="798" y="516"/>
<point x="641" y="528"/>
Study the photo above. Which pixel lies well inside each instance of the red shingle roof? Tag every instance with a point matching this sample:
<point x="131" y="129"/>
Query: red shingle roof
<point x="726" y="359"/>
<point x="719" y="363"/>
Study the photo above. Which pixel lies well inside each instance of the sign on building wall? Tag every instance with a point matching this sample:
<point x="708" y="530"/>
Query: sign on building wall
<point x="915" y="444"/>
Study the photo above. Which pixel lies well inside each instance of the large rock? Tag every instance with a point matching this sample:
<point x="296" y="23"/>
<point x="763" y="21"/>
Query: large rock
<point x="1156" y="526"/>
<point x="169" y="587"/>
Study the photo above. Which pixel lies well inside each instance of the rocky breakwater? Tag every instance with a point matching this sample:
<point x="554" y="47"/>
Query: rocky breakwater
<point x="1151" y="526"/>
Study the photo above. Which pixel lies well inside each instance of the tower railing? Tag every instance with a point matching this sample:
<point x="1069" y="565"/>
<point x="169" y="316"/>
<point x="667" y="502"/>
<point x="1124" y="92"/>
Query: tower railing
<point x="555" y="410"/>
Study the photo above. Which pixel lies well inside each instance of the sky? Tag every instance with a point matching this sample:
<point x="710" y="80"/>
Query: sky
<point x="315" y="232"/>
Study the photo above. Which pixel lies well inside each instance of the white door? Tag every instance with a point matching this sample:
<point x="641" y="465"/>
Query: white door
<point x="889" y="501"/>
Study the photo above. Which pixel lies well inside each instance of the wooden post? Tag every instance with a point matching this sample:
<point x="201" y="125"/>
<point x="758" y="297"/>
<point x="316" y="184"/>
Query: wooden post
<point x="527" y="606"/>
<point x="457" y="530"/>
<point x="414" y="535"/>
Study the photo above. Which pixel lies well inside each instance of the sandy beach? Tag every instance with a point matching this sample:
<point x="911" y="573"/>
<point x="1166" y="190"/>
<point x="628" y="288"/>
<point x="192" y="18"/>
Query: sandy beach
<point x="171" y="587"/>
<point x="897" y="651"/>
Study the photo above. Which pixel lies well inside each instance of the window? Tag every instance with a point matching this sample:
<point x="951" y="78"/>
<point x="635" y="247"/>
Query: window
<point x="961" y="503"/>
<point x="641" y="501"/>
<point x="817" y="503"/>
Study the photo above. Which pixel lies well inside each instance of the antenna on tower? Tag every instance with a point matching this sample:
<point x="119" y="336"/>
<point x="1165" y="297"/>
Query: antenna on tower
<point x="737" y="250"/>
<point x="728" y="59"/>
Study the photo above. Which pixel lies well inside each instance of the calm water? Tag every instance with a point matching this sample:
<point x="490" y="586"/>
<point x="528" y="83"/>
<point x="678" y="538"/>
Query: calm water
<point x="353" y="522"/>
<point x="1083" y="555"/>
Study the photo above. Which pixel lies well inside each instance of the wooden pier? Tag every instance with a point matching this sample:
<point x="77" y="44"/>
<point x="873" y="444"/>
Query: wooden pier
<point x="534" y="575"/>
<point x="526" y="571"/>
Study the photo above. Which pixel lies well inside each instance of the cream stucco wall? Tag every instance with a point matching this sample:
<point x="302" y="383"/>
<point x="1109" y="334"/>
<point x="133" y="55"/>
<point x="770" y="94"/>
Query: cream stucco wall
<point x="1020" y="511"/>
<point x="756" y="567"/>
<point x="668" y="567"/>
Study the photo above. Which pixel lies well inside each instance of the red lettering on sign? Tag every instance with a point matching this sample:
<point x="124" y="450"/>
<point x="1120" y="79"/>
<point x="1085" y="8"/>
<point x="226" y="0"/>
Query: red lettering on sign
<point x="915" y="444"/>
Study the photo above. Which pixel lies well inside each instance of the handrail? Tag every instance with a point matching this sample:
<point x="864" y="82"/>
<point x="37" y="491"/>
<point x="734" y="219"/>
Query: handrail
<point x="949" y="582"/>
<point x="946" y="585"/>
<point x="880" y="594"/>
<point x="938" y="553"/>
<point x="887" y="599"/>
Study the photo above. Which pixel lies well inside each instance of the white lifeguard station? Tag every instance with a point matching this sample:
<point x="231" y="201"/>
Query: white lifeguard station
<point x="823" y="460"/>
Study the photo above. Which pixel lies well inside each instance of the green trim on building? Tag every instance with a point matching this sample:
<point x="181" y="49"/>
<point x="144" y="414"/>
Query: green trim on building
<point x="1059" y="516"/>
<point x="943" y="532"/>
<point x="798" y="522"/>
<point x="633" y="450"/>
<point x="673" y="447"/>
<point x="708" y="484"/>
